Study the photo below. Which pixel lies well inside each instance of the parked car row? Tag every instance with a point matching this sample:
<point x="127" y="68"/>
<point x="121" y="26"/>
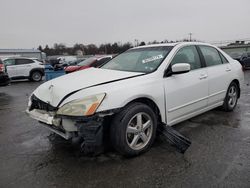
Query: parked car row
<point x="61" y="60"/>
<point x="24" y="68"/>
<point x="95" y="61"/>
<point x="13" y="68"/>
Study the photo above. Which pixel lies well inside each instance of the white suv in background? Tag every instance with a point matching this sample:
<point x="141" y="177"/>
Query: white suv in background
<point x="22" y="68"/>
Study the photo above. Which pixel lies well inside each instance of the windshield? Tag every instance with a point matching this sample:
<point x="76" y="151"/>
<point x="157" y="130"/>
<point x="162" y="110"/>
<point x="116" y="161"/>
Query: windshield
<point x="87" y="61"/>
<point x="139" y="60"/>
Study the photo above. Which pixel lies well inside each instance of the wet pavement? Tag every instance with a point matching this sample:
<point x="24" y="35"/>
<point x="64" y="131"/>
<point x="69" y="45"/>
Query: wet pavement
<point x="30" y="156"/>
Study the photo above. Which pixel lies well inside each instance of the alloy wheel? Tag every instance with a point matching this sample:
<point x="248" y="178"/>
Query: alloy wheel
<point x="232" y="96"/>
<point x="36" y="76"/>
<point x="139" y="131"/>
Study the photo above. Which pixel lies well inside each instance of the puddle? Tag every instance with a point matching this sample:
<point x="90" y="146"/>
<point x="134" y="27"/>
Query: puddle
<point x="4" y="100"/>
<point x="216" y="119"/>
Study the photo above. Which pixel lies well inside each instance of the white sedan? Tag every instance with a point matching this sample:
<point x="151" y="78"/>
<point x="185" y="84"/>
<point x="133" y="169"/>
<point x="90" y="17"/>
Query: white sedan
<point x="125" y="100"/>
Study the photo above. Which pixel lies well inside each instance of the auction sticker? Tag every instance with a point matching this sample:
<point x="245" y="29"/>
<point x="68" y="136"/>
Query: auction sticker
<point x="148" y="60"/>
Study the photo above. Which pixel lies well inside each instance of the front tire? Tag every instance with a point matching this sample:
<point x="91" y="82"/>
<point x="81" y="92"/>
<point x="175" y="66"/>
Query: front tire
<point x="36" y="76"/>
<point x="133" y="129"/>
<point x="231" y="98"/>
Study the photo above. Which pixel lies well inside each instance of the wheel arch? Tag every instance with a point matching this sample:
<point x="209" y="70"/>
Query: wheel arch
<point x="41" y="70"/>
<point x="152" y="104"/>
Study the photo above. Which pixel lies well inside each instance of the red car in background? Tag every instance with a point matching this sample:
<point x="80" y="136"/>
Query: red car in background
<point x="4" y="78"/>
<point x="95" y="61"/>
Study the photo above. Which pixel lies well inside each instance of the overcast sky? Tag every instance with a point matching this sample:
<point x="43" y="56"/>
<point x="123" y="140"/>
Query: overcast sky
<point x="29" y="23"/>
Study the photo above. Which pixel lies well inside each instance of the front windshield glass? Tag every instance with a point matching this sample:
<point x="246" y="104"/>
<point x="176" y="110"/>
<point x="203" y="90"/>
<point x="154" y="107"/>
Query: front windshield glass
<point x="139" y="60"/>
<point x="87" y="61"/>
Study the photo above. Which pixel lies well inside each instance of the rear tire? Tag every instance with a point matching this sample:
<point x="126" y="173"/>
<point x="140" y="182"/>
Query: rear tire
<point x="133" y="130"/>
<point x="36" y="76"/>
<point x="231" y="98"/>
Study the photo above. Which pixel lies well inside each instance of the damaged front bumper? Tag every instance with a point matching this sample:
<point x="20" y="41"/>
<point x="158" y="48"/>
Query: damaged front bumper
<point x="50" y="122"/>
<point x="89" y="132"/>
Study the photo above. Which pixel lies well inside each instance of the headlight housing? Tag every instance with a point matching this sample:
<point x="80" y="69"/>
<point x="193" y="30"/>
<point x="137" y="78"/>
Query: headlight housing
<point x="82" y="107"/>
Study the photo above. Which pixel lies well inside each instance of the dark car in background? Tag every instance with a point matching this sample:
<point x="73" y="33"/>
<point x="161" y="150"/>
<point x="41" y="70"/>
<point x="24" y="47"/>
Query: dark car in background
<point x="245" y="60"/>
<point x="4" y="78"/>
<point x="95" y="61"/>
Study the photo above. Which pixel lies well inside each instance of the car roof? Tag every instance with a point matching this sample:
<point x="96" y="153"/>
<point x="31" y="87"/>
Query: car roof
<point x="19" y="58"/>
<point x="173" y="44"/>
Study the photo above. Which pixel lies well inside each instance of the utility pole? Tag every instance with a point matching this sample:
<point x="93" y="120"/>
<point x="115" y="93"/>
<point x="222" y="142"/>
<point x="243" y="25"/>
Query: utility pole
<point x="105" y="46"/>
<point x="136" y="42"/>
<point x="190" y="36"/>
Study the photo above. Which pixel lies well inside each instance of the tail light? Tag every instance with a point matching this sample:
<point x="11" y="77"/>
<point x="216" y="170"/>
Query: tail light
<point x="2" y="68"/>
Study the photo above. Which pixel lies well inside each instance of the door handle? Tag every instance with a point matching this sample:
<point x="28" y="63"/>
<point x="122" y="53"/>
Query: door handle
<point x="228" y="69"/>
<point x="203" y="76"/>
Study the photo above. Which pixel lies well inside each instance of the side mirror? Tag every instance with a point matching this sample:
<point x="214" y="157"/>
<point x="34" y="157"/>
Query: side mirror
<point x="177" y="69"/>
<point x="180" y="68"/>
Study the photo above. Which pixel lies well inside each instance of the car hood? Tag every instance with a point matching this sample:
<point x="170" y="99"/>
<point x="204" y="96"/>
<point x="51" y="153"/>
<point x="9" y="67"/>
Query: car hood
<point x="56" y="90"/>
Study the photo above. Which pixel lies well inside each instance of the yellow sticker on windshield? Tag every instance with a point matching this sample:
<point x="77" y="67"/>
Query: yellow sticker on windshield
<point x="152" y="58"/>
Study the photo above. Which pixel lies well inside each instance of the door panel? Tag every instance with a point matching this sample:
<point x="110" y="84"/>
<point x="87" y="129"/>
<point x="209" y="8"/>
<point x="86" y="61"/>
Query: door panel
<point x="219" y="80"/>
<point x="23" y="66"/>
<point x="186" y="93"/>
<point x="218" y="70"/>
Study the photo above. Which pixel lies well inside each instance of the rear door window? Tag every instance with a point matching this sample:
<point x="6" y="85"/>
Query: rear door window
<point x="224" y="60"/>
<point x="211" y="56"/>
<point x="23" y="61"/>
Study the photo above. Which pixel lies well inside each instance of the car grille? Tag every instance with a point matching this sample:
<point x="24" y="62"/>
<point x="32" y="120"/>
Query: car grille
<point x="40" y="105"/>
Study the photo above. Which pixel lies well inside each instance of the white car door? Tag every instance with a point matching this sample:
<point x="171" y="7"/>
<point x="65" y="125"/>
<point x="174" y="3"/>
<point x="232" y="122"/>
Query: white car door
<point x="23" y="66"/>
<point x="186" y="94"/>
<point x="218" y="70"/>
<point x="10" y="67"/>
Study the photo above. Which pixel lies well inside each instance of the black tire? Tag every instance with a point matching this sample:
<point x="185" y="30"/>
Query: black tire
<point x="122" y="124"/>
<point x="36" y="76"/>
<point x="230" y="101"/>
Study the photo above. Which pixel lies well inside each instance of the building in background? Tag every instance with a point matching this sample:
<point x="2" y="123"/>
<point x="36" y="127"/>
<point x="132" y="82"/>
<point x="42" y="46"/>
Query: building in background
<point x="33" y="53"/>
